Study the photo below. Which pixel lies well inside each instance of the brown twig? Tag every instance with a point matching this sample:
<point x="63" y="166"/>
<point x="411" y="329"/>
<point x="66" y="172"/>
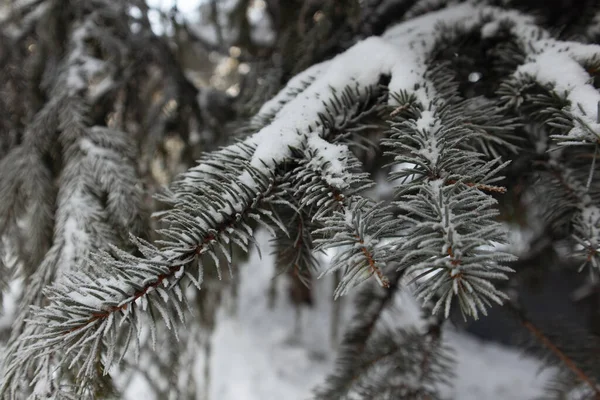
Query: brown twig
<point x="198" y="250"/>
<point x="480" y="186"/>
<point x="455" y="261"/>
<point x="547" y="342"/>
<point x="399" y="109"/>
<point x="562" y="356"/>
<point x="383" y="280"/>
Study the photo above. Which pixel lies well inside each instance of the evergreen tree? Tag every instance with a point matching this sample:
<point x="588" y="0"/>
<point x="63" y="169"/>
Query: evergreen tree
<point x="482" y="117"/>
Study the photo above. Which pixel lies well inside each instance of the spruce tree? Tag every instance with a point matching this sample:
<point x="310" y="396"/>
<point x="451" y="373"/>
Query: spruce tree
<point x="132" y="184"/>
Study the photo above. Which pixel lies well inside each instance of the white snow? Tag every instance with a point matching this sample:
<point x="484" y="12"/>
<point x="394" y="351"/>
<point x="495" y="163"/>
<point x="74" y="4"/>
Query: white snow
<point x="335" y="155"/>
<point x="426" y="121"/>
<point x="400" y="53"/>
<point x="10" y="303"/>
<point x="138" y="388"/>
<point x="295" y="119"/>
<point x="556" y="63"/>
<point x="559" y="68"/>
<point x="490" y="29"/>
<point x="257" y="353"/>
<point x="590" y="219"/>
<point x="82" y="68"/>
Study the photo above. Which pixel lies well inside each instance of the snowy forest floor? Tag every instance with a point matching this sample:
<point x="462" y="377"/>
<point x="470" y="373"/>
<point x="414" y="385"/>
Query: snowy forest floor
<point x="260" y="352"/>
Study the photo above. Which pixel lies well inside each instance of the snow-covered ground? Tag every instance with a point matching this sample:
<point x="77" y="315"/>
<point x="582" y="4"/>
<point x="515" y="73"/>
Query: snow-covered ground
<point x="259" y="354"/>
<point x="262" y="352"/>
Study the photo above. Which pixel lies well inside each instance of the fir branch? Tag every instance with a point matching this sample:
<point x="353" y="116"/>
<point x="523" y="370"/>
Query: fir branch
<point x="27" y="191"/>
<point x="90" y="310"/>
<point x="82" y="226"/>
<point x="329" y="187"/>
<point x="378" y="361"/>
<point x="446" y="167"/>
<point x="356" y="228"/>
<point x="578" y="203"/>
<point x="295" y="251"/>
<point x="564" y="354"/>
<point x="446" y="242"/>
<point x="350" y="228"/>
<point x="564" y="358"/>
<point x="563" y="99"/>
<point x="97" y="162"/>
<point x="448" y="218"/>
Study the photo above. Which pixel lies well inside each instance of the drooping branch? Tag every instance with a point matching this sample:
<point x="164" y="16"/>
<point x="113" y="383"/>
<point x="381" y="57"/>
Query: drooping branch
<point x="543" y="339"/>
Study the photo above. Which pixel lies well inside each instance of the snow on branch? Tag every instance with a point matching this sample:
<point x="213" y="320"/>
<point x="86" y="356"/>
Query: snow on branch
<point x="560" y="68"/>
<point x="400" y="53"/>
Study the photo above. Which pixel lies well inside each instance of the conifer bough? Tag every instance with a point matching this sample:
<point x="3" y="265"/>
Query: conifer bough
<point x="303" y="159"/>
